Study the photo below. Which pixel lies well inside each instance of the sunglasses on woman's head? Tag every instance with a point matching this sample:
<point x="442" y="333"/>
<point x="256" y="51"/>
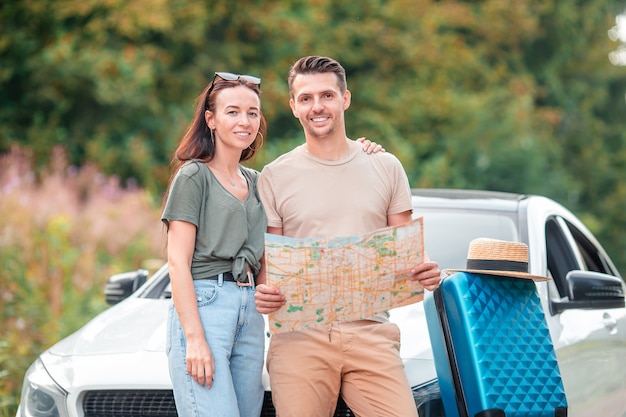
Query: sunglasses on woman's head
<point x="234" y="77"/>
<point x="229" y="76"/>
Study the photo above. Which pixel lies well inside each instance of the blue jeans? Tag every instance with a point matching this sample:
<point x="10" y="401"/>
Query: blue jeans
<point x="234" y="331"/>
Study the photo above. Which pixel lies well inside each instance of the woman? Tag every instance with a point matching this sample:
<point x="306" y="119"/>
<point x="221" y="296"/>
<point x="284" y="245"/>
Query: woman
<point x="215" y="225"/>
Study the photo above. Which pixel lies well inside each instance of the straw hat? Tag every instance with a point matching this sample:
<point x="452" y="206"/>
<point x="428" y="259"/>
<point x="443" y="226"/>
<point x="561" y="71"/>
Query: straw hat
<point x="497" y="257"/>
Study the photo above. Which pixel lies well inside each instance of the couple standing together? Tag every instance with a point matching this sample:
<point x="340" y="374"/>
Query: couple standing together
<point x="216" y="213"/>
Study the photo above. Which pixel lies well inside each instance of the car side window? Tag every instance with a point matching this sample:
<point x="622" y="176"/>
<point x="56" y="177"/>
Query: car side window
<point x="561" y="258"/>
<point x="568" y="248"/>
<point x="591" y="256"/>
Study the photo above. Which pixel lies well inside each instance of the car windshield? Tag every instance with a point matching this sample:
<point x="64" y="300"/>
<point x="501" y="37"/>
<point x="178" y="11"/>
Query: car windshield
<point x="447" y="233"/>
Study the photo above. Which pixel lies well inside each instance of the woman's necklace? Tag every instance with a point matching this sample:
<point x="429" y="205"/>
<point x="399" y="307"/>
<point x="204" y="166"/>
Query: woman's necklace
<point x="227" y="177"/>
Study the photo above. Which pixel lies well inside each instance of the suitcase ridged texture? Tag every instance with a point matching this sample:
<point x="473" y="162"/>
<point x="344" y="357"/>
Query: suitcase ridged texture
<point x="502" y="343"/>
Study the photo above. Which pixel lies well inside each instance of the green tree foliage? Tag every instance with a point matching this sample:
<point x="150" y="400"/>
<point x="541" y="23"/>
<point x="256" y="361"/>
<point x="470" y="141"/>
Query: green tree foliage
<point x="475" y="94"/>
<point x="569" y="61"/>
<point x="104" y="79"/>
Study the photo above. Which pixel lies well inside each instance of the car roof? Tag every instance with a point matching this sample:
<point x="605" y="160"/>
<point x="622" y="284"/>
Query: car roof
<point x="474" y="199"/>
<point x="466" y="194"/>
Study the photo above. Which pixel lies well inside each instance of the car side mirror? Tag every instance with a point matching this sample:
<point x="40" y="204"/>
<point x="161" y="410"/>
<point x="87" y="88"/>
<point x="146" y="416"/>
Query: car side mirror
<point x="590" y="290"/>
<point x="120" y="286"/>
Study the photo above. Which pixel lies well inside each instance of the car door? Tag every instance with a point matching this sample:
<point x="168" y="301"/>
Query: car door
<point x="591" y="346"/>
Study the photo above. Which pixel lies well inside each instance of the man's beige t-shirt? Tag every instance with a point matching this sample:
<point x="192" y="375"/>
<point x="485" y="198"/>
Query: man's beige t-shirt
<point x="311" y="197"/>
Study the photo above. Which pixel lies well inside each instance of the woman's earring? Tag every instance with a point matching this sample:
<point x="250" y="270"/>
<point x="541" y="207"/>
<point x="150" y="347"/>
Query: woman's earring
<point x="256" y="148"/>
<point x="212" y="137"/>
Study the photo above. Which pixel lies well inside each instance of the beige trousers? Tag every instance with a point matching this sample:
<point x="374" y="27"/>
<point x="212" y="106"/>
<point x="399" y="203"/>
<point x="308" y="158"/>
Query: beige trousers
<point x="360" y="360"/>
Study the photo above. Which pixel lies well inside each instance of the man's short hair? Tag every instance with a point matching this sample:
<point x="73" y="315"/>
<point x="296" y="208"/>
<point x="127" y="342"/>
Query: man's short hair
<point x="317" y="65"/>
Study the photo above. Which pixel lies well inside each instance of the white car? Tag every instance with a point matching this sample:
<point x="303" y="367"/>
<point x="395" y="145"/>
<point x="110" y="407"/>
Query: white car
<point x="115" y="365"/>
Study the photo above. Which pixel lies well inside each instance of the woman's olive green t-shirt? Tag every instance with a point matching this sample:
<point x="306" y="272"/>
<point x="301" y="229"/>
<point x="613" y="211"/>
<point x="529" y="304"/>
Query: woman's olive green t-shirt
<point x="229" y="232"/>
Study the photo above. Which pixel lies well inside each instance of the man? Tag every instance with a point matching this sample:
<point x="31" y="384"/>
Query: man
<point x="324" y="188"/>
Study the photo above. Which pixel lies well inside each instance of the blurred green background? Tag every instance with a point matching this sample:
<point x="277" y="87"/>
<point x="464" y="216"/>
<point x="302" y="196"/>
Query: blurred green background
<point x="525" y="96"/>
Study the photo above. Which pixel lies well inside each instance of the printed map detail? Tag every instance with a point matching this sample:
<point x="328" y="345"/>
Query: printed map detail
<point x="344" y="278"/>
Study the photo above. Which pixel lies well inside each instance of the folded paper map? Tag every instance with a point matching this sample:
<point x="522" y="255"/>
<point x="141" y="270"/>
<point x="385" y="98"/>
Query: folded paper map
<point x="344" y="278"/>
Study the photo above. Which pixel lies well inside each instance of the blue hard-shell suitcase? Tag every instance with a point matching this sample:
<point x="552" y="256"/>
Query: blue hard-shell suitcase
<point x="492" y="348"/>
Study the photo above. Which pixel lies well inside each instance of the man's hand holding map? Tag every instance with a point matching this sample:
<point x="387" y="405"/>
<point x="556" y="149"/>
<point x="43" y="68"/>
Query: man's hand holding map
<point x="344" y="278"/>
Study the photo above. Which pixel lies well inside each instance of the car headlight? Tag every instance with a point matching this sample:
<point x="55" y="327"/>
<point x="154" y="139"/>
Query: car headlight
<point x="41" y="396"/>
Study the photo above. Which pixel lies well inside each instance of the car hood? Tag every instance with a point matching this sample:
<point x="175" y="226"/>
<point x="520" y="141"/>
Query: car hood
<point x="125" y="346"/>
<point x="134" y="325"/>
<point x="122" y="347"/>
